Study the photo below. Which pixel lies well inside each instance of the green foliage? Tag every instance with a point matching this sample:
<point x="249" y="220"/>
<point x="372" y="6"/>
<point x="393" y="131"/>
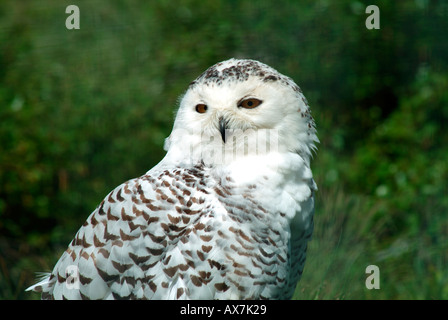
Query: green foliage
<point x="403" y="161"/>
<point x="81" y="111"/>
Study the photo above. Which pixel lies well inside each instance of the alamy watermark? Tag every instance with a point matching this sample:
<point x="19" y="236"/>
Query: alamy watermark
<point x="73" y="20"/>
<point x="373" y="20"/>
<point x="213" y="147"/>
<point x="72" y="277"/>
<point x="373" y="278"/>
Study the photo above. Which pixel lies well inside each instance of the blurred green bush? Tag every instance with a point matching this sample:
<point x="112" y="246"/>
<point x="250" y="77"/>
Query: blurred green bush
<point x="403" y="160"/>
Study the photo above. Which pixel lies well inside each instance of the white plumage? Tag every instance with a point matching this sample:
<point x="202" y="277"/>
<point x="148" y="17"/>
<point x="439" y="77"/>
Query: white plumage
<point x="227" y="213"/>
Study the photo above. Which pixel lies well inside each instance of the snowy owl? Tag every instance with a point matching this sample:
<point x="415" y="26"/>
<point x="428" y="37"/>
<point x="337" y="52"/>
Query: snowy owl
<point x="226" y="214"/>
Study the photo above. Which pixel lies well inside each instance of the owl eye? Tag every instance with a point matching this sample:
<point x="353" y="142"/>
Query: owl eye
<point x="249" y="103"/>
<point x="201" y="108"/>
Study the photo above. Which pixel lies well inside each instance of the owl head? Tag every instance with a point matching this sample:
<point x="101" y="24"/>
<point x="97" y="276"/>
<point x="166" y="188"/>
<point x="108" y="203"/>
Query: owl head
<point x="241" y="107"/>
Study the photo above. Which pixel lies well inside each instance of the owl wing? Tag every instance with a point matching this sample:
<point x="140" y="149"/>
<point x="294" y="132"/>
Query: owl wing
<point x="186" y="233"/>
<point x="129" y="246"/>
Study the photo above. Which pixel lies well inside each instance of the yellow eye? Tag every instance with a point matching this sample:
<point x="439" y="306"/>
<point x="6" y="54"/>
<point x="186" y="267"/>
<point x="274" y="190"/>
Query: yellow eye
<point x="249" y="103"/>
<point x="201" y="108"/>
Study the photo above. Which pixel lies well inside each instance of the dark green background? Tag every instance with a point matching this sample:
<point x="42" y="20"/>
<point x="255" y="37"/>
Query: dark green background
<point x="82" y="111"/>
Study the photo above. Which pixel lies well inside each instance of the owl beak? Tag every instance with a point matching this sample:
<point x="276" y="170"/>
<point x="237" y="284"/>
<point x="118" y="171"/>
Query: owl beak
<point x="223" y="126"/>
